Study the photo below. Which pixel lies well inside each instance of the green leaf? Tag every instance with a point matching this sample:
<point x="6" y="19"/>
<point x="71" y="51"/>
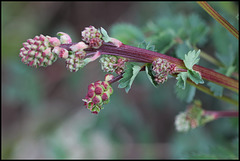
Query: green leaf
<point x="197" y="29"/>
<point x="127" y="33"/>
<point x="183" y="48"/>
<point x="225" y="44"/>
<point x="191" y="59"/>
<point x="164" y="40"/>
<point x="186" y="94"/>
<point x="148" y="69"/>
<point x="146" y="45"/>
<point x="182" y="78"/>
<point x="105" y="37"/>
<point x="217" y="89"/>
<point x="195" y="76"/>
<point x="128" y="77"/>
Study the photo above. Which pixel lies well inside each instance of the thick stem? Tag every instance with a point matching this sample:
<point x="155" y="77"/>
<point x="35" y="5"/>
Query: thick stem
<point x="147" y="56"/>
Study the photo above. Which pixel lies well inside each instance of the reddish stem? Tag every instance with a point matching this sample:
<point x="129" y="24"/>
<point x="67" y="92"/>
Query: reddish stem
<point x="220" y="114"/>
<point x="147" y="56"/>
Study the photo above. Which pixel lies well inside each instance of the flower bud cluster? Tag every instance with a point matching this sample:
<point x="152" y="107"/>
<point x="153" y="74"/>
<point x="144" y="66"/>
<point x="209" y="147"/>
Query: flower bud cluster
<point x="92" y="36"/>
<point x="98" y="94"/>
<point x="161" y="69"/>
<point x="182" y="124"/>
<point x="37" y="52"/>
<point x="193" y="117"/>
<point x="44" y="50"/>
<point x="74" y="62"/>
<point x="110" y="63"/>
<point x="75" y="59"/>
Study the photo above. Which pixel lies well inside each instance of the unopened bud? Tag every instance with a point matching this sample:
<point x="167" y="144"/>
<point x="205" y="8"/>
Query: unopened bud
<point x="116" y="42"/>
<point x="108" y="77"/>
<point x="79" y="46"/>
<point x="54" y="41"/>
<point x="182" y="123"/>
<point x="64" y="38"/>
<point x="97" y="99"/>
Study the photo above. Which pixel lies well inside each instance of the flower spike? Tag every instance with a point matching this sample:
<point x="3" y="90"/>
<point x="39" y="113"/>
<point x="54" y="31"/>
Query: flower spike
<point x="37" y="52"/>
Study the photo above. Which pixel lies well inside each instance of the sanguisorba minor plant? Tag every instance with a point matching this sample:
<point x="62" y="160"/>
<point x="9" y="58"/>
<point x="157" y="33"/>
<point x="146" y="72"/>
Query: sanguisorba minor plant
<point x="124" y="62"/>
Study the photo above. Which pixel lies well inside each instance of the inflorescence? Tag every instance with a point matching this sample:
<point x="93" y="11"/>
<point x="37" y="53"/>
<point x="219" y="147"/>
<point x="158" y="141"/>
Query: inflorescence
<point x="42" y="51"/>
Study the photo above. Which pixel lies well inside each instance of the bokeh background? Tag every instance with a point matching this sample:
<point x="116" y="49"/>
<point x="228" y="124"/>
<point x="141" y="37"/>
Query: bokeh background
<point x="42" y="110"/>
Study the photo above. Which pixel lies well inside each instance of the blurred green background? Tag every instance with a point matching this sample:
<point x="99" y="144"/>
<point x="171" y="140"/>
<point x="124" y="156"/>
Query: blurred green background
<point x="42" y="110"/>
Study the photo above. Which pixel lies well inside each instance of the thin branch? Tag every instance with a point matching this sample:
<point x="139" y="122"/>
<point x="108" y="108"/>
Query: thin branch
<point x="219" y="18"/>
<point x="220" y="114"/>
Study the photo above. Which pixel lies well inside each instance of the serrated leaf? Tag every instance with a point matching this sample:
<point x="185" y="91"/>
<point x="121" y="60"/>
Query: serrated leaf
<point x="186" y="94"/>
<point x="105" y="37"/>
<point x="195" y="76"/>
<point x="148" y="69"/>
<point x="191" y="59"/>
<point x="128" y="77"/>
<point x="182" y="78"/>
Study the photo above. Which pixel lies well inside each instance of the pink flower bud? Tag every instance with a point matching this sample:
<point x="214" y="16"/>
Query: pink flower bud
<point x="97" y="99"/>
<point x="105" y="84"/>
<point x="80" y="54"/>
<point x="79" y="46"/>
<point x="116" y="42"/>
<point x="64" y="38"/>
<point x="105" y="96"/>
<point x="91" y="86"/>
<point x="97" y="83"/>
<point x="94" y="112"/>
<point x="54" y="41"/>
<point x="98" y="90"/>
<point x="90" y="93"/>
<point x="95" y="42"/>
<point x="61" y="52"/>
<point x="110" y="90"/>
<point x="108" y="77"/>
